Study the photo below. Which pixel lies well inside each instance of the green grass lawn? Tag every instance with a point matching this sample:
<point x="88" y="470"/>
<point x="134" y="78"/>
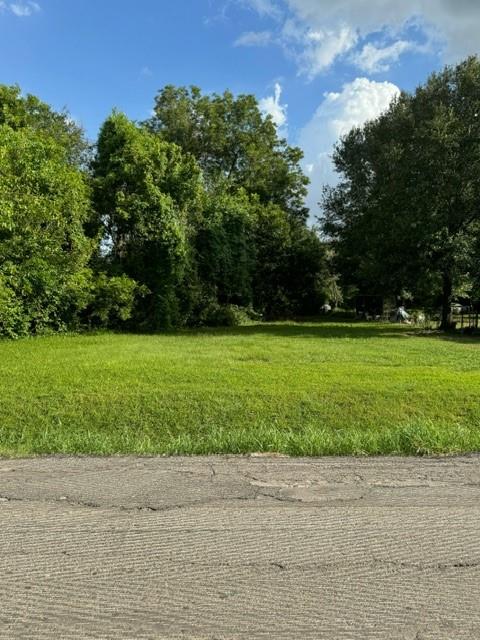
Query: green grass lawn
<point x="300" y="389"/>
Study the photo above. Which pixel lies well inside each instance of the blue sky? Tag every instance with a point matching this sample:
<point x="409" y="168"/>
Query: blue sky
<point x="318" y="66"/>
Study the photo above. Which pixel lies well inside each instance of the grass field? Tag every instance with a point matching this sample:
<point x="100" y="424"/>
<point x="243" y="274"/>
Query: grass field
<point x="300" y="389"/>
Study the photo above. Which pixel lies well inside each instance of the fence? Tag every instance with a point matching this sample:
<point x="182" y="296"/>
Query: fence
<point x="468" y="318"/>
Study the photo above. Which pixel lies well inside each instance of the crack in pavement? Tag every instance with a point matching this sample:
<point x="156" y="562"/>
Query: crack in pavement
<point x="336" y="564"/>
<point x="143" y="507"/>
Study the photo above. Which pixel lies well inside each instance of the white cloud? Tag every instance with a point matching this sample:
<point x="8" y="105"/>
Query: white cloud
<point x="318" y="32"/>
<point x="146" y="72"/>
<point x="21" y="9"/>
<point x="364" y="15"/>
<point x="374" y="59"/>
<point x="315" y="51"/>
<point x="272" y="106"/>
<point x="254" y="39"/>
<point x="268" y="8"/>
<point x="358" y="102"/>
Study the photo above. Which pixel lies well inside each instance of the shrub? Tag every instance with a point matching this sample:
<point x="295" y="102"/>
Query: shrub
<point x="113" y="299"/>
<point x="12" y="317"/>
<point x="227" y="315"/>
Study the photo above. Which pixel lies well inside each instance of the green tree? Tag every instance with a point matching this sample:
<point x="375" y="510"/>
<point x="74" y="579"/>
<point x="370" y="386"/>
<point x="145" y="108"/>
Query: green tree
<point x="234" y="145"/>
<point x="44" y="202"/>
<point x="18" y="112"/>
<point x="143" y="187"/>
<point x="224" y="248"/>
<point x="254" y="255"/>
<point x="289" y="268"/>
<point x="405" y="213"/>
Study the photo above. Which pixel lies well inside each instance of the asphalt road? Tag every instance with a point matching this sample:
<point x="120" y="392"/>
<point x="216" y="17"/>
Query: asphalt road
<point x="237" y="547"/>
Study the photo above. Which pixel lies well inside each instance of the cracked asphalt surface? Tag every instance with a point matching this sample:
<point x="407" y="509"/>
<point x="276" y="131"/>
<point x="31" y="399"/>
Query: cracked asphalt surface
<point x="240" y="547"/>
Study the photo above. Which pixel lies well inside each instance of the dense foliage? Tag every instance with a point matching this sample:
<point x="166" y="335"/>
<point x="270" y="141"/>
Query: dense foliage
<point x="44" y="204"/>
<point x="195" y="217"/>
<point x="405" y="216"/>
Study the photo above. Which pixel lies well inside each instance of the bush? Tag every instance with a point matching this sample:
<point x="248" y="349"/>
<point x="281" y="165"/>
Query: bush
<point x="12" y="317"/>
<point x="228" y="315"/>
<point x="113" y="300"/>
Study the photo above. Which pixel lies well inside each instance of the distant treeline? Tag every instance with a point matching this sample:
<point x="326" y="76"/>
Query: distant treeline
<point x="194" y="217"/>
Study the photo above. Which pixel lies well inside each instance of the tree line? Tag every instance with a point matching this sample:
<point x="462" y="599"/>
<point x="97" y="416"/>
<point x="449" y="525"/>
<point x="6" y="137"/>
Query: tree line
<point x="195" y="216"/>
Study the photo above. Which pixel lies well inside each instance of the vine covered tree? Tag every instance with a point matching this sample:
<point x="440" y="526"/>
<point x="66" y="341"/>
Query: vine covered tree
<point x="142" y="186"/>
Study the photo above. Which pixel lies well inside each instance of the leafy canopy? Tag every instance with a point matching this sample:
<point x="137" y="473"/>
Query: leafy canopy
<point x="233" y="144"/>
<point x="405" y="214"/>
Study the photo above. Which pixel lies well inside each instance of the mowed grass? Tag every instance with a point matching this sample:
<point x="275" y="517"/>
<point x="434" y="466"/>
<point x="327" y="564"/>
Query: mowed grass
<point x="299" y="389"/>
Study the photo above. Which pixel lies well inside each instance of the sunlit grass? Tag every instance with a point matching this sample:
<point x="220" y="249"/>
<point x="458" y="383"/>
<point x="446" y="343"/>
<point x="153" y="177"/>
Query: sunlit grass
<point x="300" y="389"/>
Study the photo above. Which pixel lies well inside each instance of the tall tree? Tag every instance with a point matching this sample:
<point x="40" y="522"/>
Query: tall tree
<point x="405" y="213"/>
<point x="142" y="186"/>
<point x="225" y="248"/>
<point x="234" y="144"/>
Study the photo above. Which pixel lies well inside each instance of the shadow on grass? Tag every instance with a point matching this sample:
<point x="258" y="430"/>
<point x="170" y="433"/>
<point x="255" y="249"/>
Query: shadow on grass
<point x="463" y="338"/>
<point x="318" y="330"/>
<point x="332" y="330"/>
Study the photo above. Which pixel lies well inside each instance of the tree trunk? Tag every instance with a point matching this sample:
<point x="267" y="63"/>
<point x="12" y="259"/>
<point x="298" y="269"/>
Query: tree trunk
<point x="447" y="289"/>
